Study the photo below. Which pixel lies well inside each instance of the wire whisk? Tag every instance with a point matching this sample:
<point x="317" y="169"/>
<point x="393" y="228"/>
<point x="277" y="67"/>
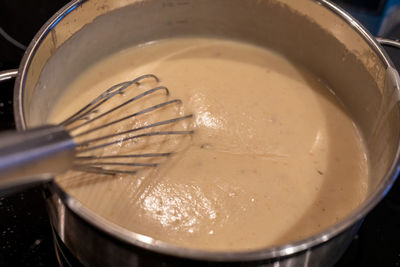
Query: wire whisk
<point x="85" y="141"/>
<point x="96" y="164"/>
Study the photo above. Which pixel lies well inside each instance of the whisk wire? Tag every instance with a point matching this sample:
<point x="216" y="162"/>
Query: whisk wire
<point x="87" y="142"/>
<point x="103" y="97"/>
<point x="146" y="155"/>
<point x="134" y="164"/>
<point x="121" y="105"/>
<point x="112" y="164"/>
<point x="86" y="110"/>
<point x="100" y="170"/>
<point x="135" y="137"/>
<point x="147" y="110"/>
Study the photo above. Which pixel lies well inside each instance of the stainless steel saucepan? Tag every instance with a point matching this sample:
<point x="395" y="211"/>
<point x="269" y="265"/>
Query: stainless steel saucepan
<point x="317" y="34"/>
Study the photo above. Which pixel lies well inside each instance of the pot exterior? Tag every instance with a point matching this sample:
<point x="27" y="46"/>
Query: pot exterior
<point x="93" y="247"/>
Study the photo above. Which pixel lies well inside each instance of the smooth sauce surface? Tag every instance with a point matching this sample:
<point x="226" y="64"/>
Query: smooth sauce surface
<point x="274" y="157"/>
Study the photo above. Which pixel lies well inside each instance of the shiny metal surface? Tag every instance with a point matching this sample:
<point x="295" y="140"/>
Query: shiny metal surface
<point x="34" y="156"/>
<point x="94" y="111"/>
<point x="99" y="248"/>
<point x="8" y="74"/>
<point x="389" y="42"/>
<point x="40" y="153"/>
<point x="337" y="49"/>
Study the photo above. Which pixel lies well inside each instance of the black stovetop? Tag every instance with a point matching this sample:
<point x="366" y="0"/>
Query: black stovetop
<point x="25" y="232"/>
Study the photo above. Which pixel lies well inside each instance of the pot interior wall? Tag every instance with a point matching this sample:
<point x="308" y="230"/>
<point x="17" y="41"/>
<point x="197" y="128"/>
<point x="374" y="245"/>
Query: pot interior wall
<point x="318" y="40"/>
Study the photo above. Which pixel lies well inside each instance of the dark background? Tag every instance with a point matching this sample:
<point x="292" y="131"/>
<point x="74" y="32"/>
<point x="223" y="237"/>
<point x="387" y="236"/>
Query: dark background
<point x="25" y="233"/>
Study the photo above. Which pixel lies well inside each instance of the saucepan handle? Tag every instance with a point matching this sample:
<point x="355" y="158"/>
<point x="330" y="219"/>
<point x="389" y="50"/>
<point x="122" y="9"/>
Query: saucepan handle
<point x="8" y="74"/>
<point x="388" y="42"/>
<point x="393" y="72"/>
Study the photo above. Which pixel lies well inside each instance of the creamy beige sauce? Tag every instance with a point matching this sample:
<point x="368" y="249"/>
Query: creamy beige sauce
<point x="274" y="157"/>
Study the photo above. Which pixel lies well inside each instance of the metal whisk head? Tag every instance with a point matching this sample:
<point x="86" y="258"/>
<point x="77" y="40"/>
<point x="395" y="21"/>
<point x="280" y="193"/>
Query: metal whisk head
<point x="87" y="128"/>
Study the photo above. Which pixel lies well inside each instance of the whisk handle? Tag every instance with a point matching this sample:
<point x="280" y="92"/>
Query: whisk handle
<point x="34" y="156"/>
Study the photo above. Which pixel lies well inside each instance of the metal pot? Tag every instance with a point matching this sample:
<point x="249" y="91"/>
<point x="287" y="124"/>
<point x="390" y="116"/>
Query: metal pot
<point x="317" y="34"/>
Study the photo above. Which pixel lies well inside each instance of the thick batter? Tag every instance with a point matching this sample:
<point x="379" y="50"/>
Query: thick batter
<point x="274" y="158"/>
